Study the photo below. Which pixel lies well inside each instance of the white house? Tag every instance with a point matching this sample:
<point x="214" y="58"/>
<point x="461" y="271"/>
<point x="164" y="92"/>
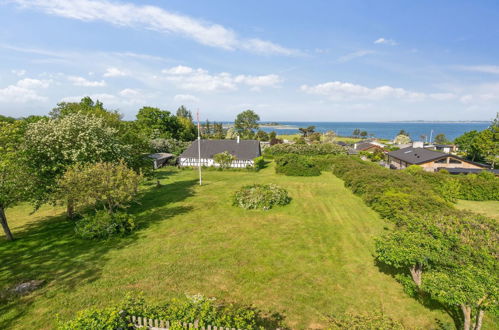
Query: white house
<point x="245" y="152"/>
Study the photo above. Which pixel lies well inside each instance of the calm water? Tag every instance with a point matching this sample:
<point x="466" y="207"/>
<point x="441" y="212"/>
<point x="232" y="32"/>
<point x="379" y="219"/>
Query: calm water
<point x="386" y="130"/>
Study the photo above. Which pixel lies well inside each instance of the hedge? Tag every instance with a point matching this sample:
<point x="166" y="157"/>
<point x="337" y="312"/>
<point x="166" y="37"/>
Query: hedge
<point x="396" y="195"/>
<point x="207" y="311"/>
<point x="261" y="196"/>
<point x="295" y="165"/>
<point x="314" y="149"/>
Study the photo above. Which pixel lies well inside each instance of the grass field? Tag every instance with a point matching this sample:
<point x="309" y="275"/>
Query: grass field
<point x="488" y="208"/>
<point x="305" y="260"/>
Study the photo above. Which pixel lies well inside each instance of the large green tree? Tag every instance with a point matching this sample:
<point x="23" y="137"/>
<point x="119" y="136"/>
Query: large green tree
<point x="246" y="122"/>
<point x="13" y="177"/>
<point x="86" y="106"/>
<point x="51" y="146"/>
<point x="183" y="112"/>
<point x="157" y="123"/>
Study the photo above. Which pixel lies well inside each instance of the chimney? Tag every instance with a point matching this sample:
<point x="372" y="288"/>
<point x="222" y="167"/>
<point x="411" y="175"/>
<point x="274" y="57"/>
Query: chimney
<point x="417" y="144"/>
<point x="238" y="139"/>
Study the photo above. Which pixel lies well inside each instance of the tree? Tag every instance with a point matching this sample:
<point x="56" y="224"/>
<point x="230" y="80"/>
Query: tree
<point x="356" y="132"/>
<point x="329" y="137"/>
<point x="86" y="106"/>
<point x="262" y="135"/>
<point x="441" y="139"/>
<point x="107" y="185"/>
<point x="218" y="131"/>
<point x="184" y="113"/>
<point x="403" y="132"/>
<point x="224" y="159"/>
<point x="314" y="137"/>
<point x="307" y="130"/>
<point x="157" y="123"/>
<point x="466" y="143"/>
<point x="231" y="133"/>
<point x="13" y="178"/>
<point x="272" y="135"/>
<point x="246" y="122"/>
<point x="363" y="134"/>
<point x="187" y="130"/>
<point x="402" y="139"/>
<point x="51" y="146"/>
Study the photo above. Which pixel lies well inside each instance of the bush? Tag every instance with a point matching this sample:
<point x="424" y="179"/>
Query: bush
<point x="224" y="159"/>
<point x="259" y="163"/>
<point x="396" y="195"/>
<point x="207" y="311"/>
<point x="103" y="225"/>
<point x="261" y="196"/>
<point x="294" y="165"/>
<point x="306" y="149"/>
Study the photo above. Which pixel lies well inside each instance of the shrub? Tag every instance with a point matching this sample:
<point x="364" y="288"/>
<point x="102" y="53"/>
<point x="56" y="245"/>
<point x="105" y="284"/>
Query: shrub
<point x="294" y="165"/>
<point x="261" y="196"/>
<point x="103" y="225"/>
<point x="206" y="311"/>
<point x="259" y="163"/>
<point x="306" y="149"/>
<point x="224" y="159"/>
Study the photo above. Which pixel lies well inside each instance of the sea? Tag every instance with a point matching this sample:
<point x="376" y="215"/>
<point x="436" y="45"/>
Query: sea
<point x="384" y="130"/>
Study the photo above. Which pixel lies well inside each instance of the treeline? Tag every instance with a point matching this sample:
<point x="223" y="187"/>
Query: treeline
<point x="440" y="253"/>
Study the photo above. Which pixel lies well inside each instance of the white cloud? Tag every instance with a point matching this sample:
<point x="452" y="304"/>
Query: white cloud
<point x="201" y="80"/>
<point x="25" y="90"/>
<point x="384" y="41"/>
<point x="80" y="81"/>
<point x="187" y="98"/>
<point x="340" y="91"/>
<point x="114" y="72"/>
<point x="129" y="92"/>
<point x="351" y="56"/>
<point x="19" y="73"/>
<point x="493" y="69"/>
<point x="156" y="19"/>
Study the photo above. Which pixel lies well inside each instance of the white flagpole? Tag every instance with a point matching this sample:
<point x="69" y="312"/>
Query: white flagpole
<point x="199" y="150"/>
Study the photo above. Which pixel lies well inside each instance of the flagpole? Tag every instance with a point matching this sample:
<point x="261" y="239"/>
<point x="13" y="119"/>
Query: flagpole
<point x="199" y="150"/>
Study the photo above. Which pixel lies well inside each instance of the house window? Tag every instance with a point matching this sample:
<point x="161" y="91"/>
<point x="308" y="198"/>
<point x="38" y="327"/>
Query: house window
<point x="441" y="161"/>
<point x="454" y="161"/>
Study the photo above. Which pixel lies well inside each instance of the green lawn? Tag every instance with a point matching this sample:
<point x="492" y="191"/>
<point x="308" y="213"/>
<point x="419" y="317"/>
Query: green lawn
<point x="305" y="260"/>
<point x="488" y="208"/>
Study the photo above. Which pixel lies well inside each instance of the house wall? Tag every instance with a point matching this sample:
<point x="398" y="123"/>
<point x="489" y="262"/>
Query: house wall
<point x="432" y="166"/>
<point x="210" y="162"/>
<point x="396" y="163"/>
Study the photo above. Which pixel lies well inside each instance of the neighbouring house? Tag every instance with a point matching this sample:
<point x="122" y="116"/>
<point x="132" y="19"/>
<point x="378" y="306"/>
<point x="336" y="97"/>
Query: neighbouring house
<point x="160" y="159"/>
<point x="429" y="160"/>
<point x="448" y="148"/>
<point x="245" y="152"/>
<point x="368" y="146"/>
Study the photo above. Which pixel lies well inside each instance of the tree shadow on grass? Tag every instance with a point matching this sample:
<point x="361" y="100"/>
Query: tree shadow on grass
<point x="424" y="299"/>
<point x="49" y="250"/>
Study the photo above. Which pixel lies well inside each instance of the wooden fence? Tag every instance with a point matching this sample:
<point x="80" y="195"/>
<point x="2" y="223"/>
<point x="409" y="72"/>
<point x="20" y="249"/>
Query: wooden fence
<point x="142" y="322"/>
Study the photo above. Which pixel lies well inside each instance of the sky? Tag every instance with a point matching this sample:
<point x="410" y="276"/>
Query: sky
<point x="315" y="60"/>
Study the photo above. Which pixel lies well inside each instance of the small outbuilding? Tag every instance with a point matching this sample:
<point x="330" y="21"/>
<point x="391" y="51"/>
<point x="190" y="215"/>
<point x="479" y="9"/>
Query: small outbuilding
<point x="244" y="151"/>
<point x="160" y="159"/>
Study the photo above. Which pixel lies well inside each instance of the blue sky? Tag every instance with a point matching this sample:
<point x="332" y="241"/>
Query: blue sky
<point x="287" y="60"/>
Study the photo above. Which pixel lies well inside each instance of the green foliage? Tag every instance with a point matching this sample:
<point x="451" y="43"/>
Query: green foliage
<point x="479" y="188"/>
<point x="184" y="113"/>
<point x="261" y="196"/>
<point x="97" y="319"/>
<point x="262" y="135"/>
<point x="402" y="139"/>
<point x="295" y="165"/>
<point x="190" y="309"/>
<point x="245" y="123"/>
<point x="224" y="159"/>
<point x="396" y="195"/>
<point x="171" y="146"/>
<point x="259" y="163"/>
<point x="157" y="123"/>
<point x="364" y="321"/>
<point x="306" y="149"/>
<point x="103" y="225"/>
<point x="441" y="139"/>
<point x="107" y="185"/>
<point x="88" y="107"/>
<point x="51" y="146"/>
